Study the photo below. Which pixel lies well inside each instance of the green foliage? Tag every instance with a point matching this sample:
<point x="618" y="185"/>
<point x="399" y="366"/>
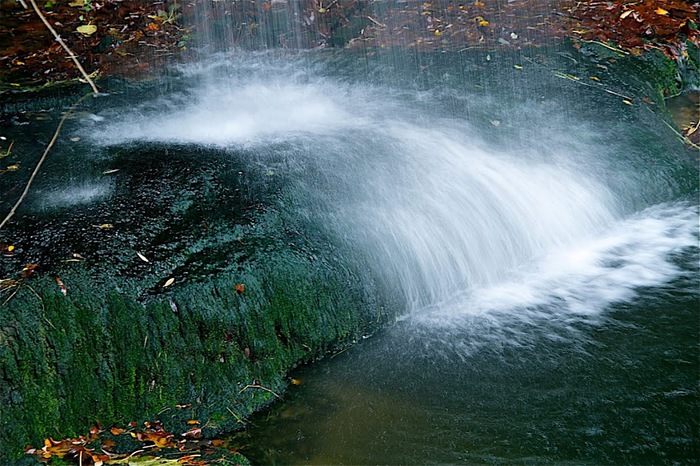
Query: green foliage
<point x="169" y="16"/>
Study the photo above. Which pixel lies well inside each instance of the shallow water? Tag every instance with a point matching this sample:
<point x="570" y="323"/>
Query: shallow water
<point x="617" y="389"/>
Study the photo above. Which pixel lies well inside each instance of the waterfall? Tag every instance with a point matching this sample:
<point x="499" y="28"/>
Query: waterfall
<point x="441" y="204"/>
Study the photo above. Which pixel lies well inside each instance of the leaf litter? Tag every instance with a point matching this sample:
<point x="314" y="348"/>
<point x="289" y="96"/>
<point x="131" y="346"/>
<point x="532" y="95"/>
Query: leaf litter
<point x="153" y="445"/>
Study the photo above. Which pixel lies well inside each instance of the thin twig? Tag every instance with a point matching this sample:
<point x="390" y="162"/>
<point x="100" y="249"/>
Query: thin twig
<point x="381" y="25"/>
<point x="339" y="352"/>
<point x="602" y="44"/>
<point x="683" y="138"/>
<point x="578" y="80"/>
<point x="65" y="47"/>
<point x="10" y="297"/>
<point x="8" y="151"/>
<point x="234" y="415"/>
<point x="6" y="284"/>
<point x="41" y="161"/>
<point x="259" y="387"/>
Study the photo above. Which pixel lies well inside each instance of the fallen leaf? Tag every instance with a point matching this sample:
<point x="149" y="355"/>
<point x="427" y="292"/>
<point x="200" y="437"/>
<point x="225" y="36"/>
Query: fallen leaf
<point x="627" y="102"/>
<point x="626" y="14"/>
<point x="87" y="29"/>
<point x="12" y="168"/>
<point x="104" y="226"/>
<point x="295" y="381"/>
<point x="61" y="286"/>
<point x="192" y="422"/>
<point x="240" y="288"/>
<point x="116" y="431"/>
<point x="169" y="282"/>
<point x="190" y="459"/>
<point x="28" y="270"/>
<point x="159" y="438"/>
<point x="193" y="433"/>
<point x="517" y="67"/>
<point x="661" y="11"/>
<point x="142" y="257"/>
<point x="107" y="443"/>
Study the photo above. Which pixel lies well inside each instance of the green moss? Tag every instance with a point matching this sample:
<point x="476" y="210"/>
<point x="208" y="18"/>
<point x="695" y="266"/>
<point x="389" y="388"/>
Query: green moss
<point x="101" y="354"/>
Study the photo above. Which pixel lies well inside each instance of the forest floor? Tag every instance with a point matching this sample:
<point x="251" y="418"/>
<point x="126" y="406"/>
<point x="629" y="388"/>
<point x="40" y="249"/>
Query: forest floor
<point x="134" y="37"/>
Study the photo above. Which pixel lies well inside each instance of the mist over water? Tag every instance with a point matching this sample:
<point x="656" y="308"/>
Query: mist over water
<point x="461" y="222"/>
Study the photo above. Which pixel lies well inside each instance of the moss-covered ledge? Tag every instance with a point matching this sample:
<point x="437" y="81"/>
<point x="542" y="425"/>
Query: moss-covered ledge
<point x="251" y="297"/>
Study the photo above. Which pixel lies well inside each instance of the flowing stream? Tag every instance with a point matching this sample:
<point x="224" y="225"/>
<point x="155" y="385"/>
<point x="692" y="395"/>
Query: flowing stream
<point x="543" y="238"/>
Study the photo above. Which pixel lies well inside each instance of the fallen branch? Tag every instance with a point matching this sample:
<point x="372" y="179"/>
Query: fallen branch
<point x="63" y="44"/>
<point x="43" y="158"/>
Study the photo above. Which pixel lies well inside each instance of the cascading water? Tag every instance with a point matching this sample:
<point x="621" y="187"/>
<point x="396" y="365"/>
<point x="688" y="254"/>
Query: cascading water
<point x="506" y="221"/>
<point x="436" y="205"/>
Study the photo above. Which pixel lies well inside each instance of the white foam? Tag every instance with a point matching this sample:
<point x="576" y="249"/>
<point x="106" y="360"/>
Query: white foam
<point x="579" y="281"/>
<point x="259" y="104"/>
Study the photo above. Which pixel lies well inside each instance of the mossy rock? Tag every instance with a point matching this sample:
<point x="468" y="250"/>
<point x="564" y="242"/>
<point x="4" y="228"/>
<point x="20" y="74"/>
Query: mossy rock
<point x="251" y="298"/>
